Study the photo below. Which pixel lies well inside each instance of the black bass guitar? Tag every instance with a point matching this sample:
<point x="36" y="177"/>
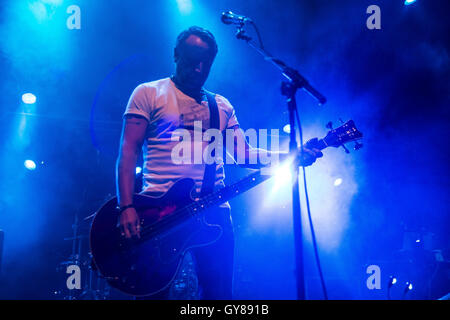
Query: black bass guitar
<point x="170" y="225"/>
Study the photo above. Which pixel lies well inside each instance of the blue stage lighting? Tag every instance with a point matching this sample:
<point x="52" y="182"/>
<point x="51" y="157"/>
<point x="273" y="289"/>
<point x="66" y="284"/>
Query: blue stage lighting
<point x="185" y="6"/>
<point x="28" y="98"/>
<point x="52" y="2"/>
<point x="408" y="2"/>
<point x="408" y="288"/>
<point x="30" y="165"/>
<point x="282" y="175"/>
<point x="337" y="182"/>
<point x="39" y="10"/>
<point x="392" y="281"/>
<point x="287" y="128"/>
<point x="44" y="9"/>
<point x="138" y="170"/>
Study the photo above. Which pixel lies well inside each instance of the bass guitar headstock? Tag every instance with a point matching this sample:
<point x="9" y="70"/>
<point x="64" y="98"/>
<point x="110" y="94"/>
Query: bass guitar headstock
<point x="338" y="137"/>
<point x="347" y="132"/>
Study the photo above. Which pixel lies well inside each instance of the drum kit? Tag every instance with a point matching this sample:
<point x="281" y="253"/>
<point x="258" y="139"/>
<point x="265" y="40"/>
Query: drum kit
<point x="91" y="285"/>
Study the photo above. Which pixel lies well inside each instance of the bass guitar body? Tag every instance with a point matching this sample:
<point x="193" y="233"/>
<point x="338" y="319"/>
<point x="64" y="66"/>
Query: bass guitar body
<point x="146" y="265"/>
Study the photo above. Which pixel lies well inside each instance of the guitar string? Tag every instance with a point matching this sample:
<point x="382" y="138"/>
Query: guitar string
<point x="198" y="206"/>
<point x="189" y="210"/>
<point x="185" y="212"/>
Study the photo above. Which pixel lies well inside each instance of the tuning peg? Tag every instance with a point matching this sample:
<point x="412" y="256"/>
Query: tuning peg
<point x="329" y="125"/>
<point x="345" y="148"/>
<point x="358" y="145"/>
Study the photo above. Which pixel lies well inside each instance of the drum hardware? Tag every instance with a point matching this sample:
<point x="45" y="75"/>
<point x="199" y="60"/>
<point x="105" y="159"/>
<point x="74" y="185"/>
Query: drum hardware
<point x="93" y="287"/>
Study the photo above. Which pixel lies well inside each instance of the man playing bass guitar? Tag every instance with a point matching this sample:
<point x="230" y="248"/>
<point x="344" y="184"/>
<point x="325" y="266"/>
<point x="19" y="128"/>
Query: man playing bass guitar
<point x="154" y="111"/>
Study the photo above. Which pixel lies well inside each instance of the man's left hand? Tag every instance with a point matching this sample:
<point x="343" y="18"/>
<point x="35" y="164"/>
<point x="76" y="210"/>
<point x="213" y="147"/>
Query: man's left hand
<point x="309" y="156"/>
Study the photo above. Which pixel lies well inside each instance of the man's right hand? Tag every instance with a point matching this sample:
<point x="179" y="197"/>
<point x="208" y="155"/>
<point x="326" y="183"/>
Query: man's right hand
<point x="129" y="223"/>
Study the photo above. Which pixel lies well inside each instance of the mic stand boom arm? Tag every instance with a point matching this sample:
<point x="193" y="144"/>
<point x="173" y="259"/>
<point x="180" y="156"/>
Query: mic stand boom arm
<point x="292" y="75"/>
<point x="289" y="88"/>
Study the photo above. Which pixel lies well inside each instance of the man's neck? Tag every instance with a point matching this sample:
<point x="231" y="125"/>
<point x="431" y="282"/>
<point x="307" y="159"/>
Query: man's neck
<point x="195" y="93"/>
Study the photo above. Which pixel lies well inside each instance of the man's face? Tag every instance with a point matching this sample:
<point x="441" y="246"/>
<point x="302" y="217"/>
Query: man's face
<point x="193" y="62"/>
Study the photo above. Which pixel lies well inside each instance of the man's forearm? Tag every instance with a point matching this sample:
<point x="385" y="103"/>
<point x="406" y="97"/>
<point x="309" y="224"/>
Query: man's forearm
<point x="125" y="177"/>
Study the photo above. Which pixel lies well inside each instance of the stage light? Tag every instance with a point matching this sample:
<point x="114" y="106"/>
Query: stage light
<point x="44" y="9"/>
<point x="337" y="182"/>
<point x="409" y="286"/>
<point x="30" y="165"/>
<point x="282" y="176"/>
<point x="408" y="2"/>
<point x="39" y="10"/>
<point x="185" y="6"/>
<point x="283" y="173"/>
<point x="52" y="2"/>
<point x="287" y="128"/>
<point x="392" y="281"/>
<point x="28" y="98"/>
<point x="138" y="170"/>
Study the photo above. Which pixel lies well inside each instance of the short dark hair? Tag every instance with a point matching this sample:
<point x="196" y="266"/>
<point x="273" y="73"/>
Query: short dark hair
<point x="202" y="33"/>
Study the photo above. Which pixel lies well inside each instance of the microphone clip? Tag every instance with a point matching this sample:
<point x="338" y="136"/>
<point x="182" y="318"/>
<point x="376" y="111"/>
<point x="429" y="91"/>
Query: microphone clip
<point x="241" y="34"/>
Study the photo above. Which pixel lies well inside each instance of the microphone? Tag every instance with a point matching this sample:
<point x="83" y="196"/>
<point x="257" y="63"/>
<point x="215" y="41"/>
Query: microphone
<point x="231" y="18"/>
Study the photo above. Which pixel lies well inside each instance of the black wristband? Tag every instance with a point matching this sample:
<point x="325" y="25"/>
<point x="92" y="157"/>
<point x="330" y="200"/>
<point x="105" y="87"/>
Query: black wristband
<point x="122" y="209"/>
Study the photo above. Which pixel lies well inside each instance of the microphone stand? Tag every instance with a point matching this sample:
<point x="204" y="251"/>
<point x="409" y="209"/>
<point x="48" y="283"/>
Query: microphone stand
<point x="294" y="81"/>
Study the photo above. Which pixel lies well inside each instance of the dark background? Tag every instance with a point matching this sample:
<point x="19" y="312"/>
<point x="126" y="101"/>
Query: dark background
<point x="393" y="82"/>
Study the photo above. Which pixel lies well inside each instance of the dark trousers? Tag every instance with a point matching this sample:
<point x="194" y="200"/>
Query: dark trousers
<point x="214" y="263"/>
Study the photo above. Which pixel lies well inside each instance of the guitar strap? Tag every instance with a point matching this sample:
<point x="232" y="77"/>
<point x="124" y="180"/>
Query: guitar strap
<point x="209" y="177"/>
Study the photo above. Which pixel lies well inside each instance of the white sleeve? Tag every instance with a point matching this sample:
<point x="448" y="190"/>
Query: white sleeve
<point x="140" y="103"/>
<point x="228" y="108"/>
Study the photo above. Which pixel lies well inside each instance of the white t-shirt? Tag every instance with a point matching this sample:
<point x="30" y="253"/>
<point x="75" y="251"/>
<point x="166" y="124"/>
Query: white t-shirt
<point x="166" y="109"/>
